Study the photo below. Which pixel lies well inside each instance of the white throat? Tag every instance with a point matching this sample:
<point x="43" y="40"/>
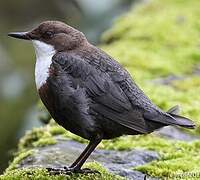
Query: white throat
<point x="44" y="53"/>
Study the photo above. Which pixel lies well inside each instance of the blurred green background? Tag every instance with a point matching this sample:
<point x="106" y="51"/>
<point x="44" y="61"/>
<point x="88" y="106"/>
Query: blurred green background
<point x="18" y="96"/>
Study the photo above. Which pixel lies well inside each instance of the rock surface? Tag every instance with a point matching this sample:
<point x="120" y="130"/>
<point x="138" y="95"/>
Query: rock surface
<point x="65" y="151"/>
<point x="175" y="133"/>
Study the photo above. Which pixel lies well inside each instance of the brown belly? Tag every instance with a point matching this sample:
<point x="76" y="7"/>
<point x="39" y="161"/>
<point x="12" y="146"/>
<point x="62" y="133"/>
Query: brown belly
<point x="46" y="98"/>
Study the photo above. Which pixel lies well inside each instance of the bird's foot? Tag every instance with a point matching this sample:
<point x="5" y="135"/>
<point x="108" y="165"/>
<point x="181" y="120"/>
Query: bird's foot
<point x="69" y="171"/>
<point x="87" y="171"/>
<point x="59" y="170"/>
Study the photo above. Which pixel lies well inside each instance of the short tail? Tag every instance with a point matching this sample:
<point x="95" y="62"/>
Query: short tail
<point x="180" y="120"/>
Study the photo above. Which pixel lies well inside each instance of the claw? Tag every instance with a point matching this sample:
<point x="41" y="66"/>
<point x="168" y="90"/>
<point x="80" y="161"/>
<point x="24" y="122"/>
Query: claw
<point x="58" y="171"/>
<point x="68" y="171"/>
<point x="88" y="171"/>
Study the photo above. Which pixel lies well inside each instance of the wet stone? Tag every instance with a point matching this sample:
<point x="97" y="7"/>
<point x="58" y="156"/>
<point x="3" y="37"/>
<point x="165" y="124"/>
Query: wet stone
<point x="65" y="151"/>
<point x="171" y="132"/>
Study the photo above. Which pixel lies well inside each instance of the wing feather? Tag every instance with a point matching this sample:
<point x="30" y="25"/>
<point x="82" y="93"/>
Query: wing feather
<point x="112" y="91"/>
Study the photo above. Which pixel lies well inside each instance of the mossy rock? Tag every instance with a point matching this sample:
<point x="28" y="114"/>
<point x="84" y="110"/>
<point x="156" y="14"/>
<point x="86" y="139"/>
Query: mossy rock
<point x="42" y="174"/>
<point x="172" y="153"/>
<point x="33" y="154"/>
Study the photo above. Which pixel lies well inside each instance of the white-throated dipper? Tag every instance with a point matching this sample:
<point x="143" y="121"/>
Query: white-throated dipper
<point x="89" y="93"/>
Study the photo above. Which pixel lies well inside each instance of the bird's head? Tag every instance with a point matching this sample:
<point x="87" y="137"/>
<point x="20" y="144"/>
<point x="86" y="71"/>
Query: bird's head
<point x="52" y="36"/>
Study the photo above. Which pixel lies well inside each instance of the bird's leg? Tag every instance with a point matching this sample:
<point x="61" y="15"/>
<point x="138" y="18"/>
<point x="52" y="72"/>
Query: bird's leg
<point x="80" y="156"/>
<point x="77" y="164"/>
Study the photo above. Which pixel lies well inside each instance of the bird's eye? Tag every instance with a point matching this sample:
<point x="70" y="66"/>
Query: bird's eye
<point x="48" y="34"/>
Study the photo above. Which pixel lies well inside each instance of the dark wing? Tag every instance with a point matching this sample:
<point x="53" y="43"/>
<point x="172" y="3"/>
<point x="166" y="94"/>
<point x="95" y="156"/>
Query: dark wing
<point x="107" y="98"/>
<point x="151" y="113"/>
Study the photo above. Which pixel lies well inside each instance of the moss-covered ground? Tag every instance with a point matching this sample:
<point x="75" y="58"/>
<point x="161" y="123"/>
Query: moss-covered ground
<point x="154" y="40"/>
<point x="176" y="156"/>
<point x="42" y="174"/>
<point x="39" y="137"/>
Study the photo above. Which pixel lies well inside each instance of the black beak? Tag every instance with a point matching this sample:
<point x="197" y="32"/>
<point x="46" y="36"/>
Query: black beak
<point x="20" y="35"/>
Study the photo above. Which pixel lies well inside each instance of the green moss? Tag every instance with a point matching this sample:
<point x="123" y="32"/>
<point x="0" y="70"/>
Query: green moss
<point x="72" y="136"/>
<point x="172" y="152"/>
<point x="45" y="135"/>
<point x="20" y="156"/>
<point x="175" y="156"/>
<point x="37" y="174"/>
<point x="36" y="138"/>
<point x="178" y="158"/>
<point x="41" y="137"/>
<point x="163" y="33"/>
<point x="56" y="130"/>
<point x="188" y="84"/>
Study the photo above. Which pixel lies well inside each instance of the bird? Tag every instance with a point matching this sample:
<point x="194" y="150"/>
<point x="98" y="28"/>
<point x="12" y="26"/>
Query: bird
<point x="88" y="92"/>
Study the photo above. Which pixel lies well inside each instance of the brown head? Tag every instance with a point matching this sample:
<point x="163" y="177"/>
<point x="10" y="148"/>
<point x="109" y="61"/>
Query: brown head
<point x="57" y="34"/>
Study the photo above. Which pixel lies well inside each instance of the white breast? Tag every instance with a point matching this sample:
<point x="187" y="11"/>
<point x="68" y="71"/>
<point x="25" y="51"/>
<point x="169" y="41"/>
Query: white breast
<point x="44" y="53"/>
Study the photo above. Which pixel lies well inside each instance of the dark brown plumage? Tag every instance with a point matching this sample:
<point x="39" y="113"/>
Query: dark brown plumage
<point x="92" y="95"/>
